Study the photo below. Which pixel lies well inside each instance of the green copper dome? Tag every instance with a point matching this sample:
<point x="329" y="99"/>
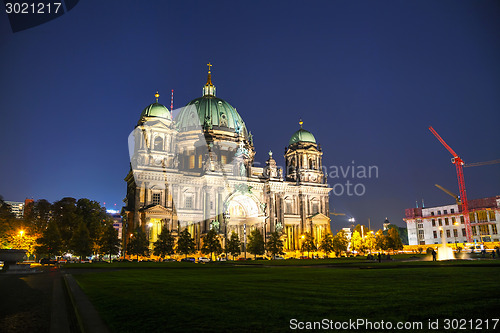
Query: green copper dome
<point x="210" y="112"/>
<point x="302" y="136"/>
<point x="156" y="110"/>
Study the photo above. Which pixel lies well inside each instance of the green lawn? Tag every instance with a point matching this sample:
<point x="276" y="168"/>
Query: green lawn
<point x="261" y="298"/>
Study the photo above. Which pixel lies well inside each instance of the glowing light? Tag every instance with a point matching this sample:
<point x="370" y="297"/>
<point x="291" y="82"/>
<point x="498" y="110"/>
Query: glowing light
<point x="21" y="232"/>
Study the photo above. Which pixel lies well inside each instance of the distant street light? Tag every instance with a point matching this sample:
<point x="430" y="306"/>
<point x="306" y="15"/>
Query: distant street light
<point x="21" y="233"/>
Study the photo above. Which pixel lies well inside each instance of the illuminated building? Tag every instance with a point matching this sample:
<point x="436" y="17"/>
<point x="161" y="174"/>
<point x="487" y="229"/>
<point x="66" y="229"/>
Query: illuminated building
<point x="426" y="225"/>
<point x="196" y="170"/>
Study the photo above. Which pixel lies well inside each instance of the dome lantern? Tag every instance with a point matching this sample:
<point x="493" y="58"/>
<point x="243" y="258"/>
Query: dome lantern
<point x="209" y="88"/>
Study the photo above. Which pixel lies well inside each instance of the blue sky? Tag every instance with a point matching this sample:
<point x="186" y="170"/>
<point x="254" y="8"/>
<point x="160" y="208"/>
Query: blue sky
<point x="367" y="78"/>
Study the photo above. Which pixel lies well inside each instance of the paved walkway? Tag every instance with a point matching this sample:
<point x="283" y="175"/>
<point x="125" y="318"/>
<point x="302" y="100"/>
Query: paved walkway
<point x="50" y="301"/>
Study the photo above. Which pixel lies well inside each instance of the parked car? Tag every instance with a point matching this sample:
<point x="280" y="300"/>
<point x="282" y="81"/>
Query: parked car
<point x="304" y="257"/>
<point x="188" y="259"/>
<point x="203" y="259"/>
<point x="169" y="260"/>
<point x="278" y="258"/>
<point x="48" y="261"/>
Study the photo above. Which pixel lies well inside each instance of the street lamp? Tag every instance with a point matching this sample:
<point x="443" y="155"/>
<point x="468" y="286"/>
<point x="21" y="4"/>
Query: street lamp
<point x="455" y="233"/>
<point x="226" y="217"/>
<point x="21" y="233"/>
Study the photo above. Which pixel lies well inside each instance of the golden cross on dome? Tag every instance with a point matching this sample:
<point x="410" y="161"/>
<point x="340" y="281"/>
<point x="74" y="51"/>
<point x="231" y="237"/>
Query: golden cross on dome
<point x="300" y="123"/>
<point x="209" y="65"/>
<point x="157" y="95"/>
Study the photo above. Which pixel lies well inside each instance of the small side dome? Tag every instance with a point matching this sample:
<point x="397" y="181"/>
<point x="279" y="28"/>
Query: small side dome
<point x="155" y="110"/>
<point x="301" y="136"/>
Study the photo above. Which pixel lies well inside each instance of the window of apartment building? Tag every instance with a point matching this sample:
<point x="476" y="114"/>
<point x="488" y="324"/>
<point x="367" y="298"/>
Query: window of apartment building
<point x="462" y="219"/>
<point x="420" y="225"/>
<point x="455" y="233"/>
<point x="448" y="233"/>
<point x="440" y="222"/>
<point x="433" y="222"/>
<point x="472" y="217"/>
<point x="494" y="230"/>
<point x="446" y="221"/>
<point x="452" y="210"/>
<point x="484" y="230"/>
<point x="492" y="215"/>
<point x="432" y="213"/>
<point x="156" y="198"/>
<point x="421" y="234"/>
<point x="474" y="231"/>
<point x="453" y="220"/>
<point x="464" y="233"/>
<point x="445" y="212"/>
<point x="440" y="233"/>
<point x="482" y="216"/>
<point x="435" y="234"/>
<point x="189" y="202"/>
<point x="439" y="212"/>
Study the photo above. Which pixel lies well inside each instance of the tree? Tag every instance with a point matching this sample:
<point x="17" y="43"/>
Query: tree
<point x="275" y="244"/>
<point x="95" y="218"/>
<point x="340" y="243"/>
<point x="308" y="243"/>
<point x="370" y="241"/>
<point x="211" y="243"/>
<point x="109" y="241"/>
<point x="255" y="244"/>
<point x="37" y="215"/>
<point x="381" y="241"/>
<point x="81" y="243"/>
<point x="138" y="244"/>
<point x="394" y="241"/>
<point x="326" y="244"/>
<point x="233" y="245"/>
<point x="50" y="242"/>
<point x="185" y="244"/>
<point x="67" y="220"/>
<point x="165" y="243"/>
<point x="357" y="243"/>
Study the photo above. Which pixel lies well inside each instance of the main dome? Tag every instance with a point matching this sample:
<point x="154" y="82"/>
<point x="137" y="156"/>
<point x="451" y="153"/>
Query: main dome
<point x="302" y="136"/>
<point x="211" y="113"/>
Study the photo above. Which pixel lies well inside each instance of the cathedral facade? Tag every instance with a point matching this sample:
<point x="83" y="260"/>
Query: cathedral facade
<point x="195" y="170"/>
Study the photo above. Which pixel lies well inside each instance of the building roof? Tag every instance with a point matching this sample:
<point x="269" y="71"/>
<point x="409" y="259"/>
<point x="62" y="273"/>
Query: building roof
<point x="302" y="136"/>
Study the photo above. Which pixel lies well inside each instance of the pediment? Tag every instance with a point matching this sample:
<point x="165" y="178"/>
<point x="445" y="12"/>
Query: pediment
<point x="156" y="209"/>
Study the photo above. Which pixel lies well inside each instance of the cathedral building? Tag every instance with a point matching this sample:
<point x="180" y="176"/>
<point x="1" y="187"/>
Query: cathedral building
<point x="195" y="170"/>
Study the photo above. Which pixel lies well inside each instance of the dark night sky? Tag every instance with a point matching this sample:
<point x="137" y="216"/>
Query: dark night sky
<point x="367" y="78"/>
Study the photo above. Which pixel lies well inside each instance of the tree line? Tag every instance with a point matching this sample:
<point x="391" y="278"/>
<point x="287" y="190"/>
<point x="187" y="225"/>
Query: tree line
<point x="81" y="227"/>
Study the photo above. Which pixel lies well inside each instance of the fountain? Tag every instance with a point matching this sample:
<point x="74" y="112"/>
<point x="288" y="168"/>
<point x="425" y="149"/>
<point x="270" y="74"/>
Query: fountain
<point x="444" y="252"/>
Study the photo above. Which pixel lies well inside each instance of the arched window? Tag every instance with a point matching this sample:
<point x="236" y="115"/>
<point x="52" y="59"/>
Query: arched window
<point x="191" y="162"/>
<point x="158" y="143"/>
<point x="311" y="166"/>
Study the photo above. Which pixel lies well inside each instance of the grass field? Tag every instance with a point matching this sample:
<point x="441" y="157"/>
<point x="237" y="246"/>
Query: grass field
<point x="191" y="297"/>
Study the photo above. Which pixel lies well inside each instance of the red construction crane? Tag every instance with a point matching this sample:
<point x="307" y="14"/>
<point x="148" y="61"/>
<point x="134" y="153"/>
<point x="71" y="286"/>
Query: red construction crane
<point x="461" y="183"/>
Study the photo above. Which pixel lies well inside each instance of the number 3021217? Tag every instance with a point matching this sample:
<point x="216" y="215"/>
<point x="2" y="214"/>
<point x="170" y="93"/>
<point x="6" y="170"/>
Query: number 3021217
<point x="32" y="8"/>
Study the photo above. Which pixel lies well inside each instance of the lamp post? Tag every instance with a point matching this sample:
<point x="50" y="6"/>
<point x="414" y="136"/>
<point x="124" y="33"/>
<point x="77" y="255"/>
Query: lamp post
<point x="226" y="217"/>
<point x="245" y="239"/>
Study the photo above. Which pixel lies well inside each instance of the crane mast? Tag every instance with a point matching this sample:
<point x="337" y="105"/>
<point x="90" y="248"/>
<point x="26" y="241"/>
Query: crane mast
<point x="459" y="163"/>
